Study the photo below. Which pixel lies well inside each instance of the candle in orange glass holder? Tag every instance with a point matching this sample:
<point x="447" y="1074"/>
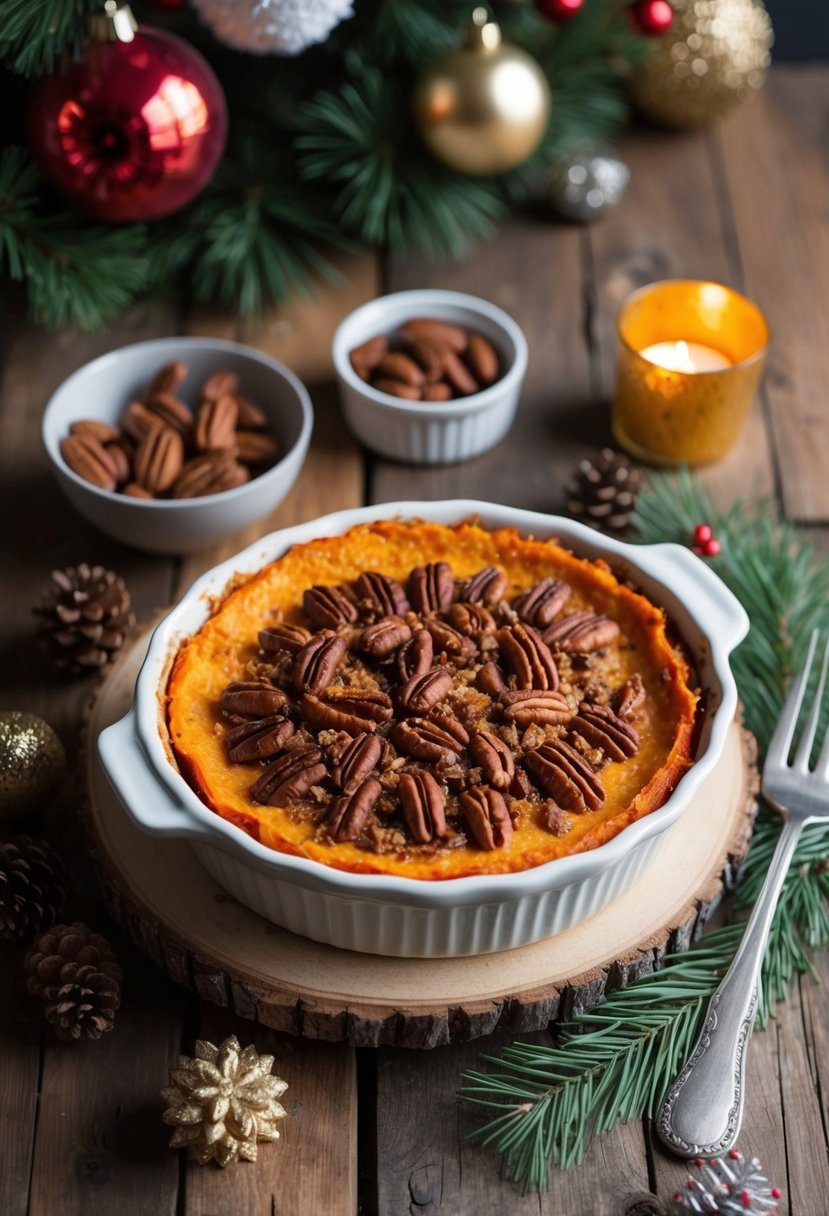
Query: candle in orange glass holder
<point x="691" y="354"/>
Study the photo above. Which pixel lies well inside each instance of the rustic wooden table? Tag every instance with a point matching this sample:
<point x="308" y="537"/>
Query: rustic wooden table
<point x="380" y="1131"/>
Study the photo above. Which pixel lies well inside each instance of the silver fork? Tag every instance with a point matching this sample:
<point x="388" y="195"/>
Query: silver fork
<point x="703" y="1109"/>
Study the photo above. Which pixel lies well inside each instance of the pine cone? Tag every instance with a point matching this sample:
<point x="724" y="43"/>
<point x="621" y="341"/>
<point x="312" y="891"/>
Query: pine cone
<point x="73" y="970"/>
<point x="85" y="617"/>
<point x="603" y="491"/>
<point x="31" y="887"/>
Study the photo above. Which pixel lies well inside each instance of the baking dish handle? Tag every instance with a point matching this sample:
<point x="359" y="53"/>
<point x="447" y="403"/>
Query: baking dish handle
<point x="703" y="592"/>
<point x="149" y="804"/>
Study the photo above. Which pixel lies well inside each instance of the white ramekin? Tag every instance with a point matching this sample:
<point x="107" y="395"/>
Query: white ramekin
<point x="382" y="914"/>
<point x="430" y="432"/>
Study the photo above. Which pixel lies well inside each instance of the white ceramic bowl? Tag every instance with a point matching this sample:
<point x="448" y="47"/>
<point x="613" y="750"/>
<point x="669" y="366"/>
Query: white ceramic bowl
<point x="430" y="432"/>
<point x="383" y="914"/>
<point x="103" y="388"/>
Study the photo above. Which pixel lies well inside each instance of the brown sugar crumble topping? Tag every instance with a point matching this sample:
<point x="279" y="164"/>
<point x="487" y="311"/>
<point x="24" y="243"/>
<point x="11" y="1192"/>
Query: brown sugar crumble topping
<point x="429" y="717"/>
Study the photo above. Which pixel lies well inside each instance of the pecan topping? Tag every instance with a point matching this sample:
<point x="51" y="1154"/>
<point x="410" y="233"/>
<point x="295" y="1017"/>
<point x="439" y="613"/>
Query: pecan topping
<point x="171" y="411"/>
<point x="350" y="814"/>
<point x="448" y="642"/>
<point x="565" y="775"/>
<point x="210" y="473"/>
<point x="252" y="699"/>
<point x="283" y="637"/>
<point x="356" y="761"/>
<point x="415" y="658"/>
<point x="630" y="697"/>
<point x="556" y="820"/>
<point x="601" y="727"/>
<point x="494" y="757"/>
<point x="385" y="595"/>
<point x="543" y="602"/>
<point x="582" y="632"/>
<point x="328" y="607"/>
<point x="422" y="803"/>
<point x="435" y="740"/>
<point x="316" y="664"/>
<point x="350" y="709"/>
<point x="431" y="587"/>
<point x="291" y="776"/>
<point x="488" y="586"/>
<point x="88" y="457"/>
<point x="216" y="424"/>
<point x="159" y="458"/>
<point x="384" y="637"/>
<point x="487" y="816"/>
<point x="527" y="707"/>
<point x="490" y="679"/>
<point x="419" y="694"/>
<point x="258" y="740"/>
<point x="471" y="619"/>
<point x="528" y="657"/>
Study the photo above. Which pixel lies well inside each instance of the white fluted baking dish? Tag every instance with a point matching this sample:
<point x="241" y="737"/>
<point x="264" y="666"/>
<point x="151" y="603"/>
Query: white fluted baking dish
<point x="385" y="914"/>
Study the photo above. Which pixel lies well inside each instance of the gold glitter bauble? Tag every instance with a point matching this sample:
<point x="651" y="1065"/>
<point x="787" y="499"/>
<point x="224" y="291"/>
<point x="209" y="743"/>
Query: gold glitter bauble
<point x="483" y="108"/>
<point x="32" y="764"/>
<point x="713" y="57"/>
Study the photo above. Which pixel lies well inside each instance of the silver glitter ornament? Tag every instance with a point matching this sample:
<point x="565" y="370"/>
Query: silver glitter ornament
<point x="268" y="27"/>
<point x="585" y="185"/>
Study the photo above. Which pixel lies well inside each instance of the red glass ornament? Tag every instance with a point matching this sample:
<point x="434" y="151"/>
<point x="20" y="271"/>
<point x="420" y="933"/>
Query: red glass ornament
<point x="652" y="17"/>
<point x="133" y="130"/>
<point x="559" y="10"/>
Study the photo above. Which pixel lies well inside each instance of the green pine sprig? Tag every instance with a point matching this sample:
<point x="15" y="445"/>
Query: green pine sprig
<point x="35" y="33"/>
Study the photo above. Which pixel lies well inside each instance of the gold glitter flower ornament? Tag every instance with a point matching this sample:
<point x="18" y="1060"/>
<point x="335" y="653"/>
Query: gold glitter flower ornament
<point x="222" y="1102"/>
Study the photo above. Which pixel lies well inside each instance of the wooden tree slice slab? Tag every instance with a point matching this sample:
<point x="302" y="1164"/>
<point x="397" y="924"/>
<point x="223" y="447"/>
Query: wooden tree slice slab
<point x="203" y="938"/>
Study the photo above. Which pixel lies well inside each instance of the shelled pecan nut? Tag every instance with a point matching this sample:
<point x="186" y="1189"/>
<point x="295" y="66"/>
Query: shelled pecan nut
<point x="473" y="620"/>
<point x="251" y="416"/>
<point x="494" y="757"/>
<point x="526" y="707"/>
<point x="137" y="420"/>
<point x="211" y="473"/>
<point x="222" y="383"/>
<point x="366" y="357"/>
<point x="599" y="726"/>
<point x="488" y="586"/>
<point x="134" y="490"/>
<point x="350" y="813"/>
<point x="252" y="699"/>
<point x="430" y="357"/>
<point x="397" y="388"/>
<point x="171" y="411"/>
<point x="431" y="587"/>
<point x="258" y="739"/>
<point x="282" y="636"/>
<point x="566" y="776"/>
<point x="430" y="740"/>
<point x="356" y="761"/>
<point x="398" y="366"/>
<point x="542" y="603"/>
<point x="120" y="461"/>
<point x="168" y="378"/>
<point x="291" y="776"/>
<point x="430" y="329"/>
<point x="421" y="693"/>
<point x="101" y="431"/>
<point x="437" y="392"/>
<point x="415" y="658"/>
<point x="482" y="359"/>
<point x="88" y="457"/>
<point x="630" y="698"/>
<point x="459" y="375"/>
<point x="448" y="641"/>
<point x="255" y="448"/>
<point x="490" y="679"/>
<point x="159" y="459"/>
<point x="317" y="662"/>
<point x="216" y="424"/>
<point x="384" y="637"/>
<point x="423" y="806"/>
<point x="384" y="595"/>
<point x="328" y="607"/>
<point x="487" y="816"/>
<point x="350" y="709"/>
<point x="581" y="632"/>
<point x="528" y="657"/>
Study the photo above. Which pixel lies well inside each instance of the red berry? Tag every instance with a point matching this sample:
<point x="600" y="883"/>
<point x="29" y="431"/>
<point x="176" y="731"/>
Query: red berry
<point x="776" y="1192"/>
<point x="735" y="1154"/>
<point x="712" y="547"/>
<point x="702" y="533"/>
<point x="559" y="10"/>
<point x="697" y="550"/>
<point x="652" y="17"/>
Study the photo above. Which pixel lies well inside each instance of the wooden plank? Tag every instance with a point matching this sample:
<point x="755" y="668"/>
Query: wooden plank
<point x="775" y="158"/>
<point x="19" y="1068"/>
<point x="312" y="1168"/>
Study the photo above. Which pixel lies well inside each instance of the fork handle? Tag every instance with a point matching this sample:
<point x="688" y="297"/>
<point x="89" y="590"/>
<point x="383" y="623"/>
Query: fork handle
<point x="703" y="1109"/>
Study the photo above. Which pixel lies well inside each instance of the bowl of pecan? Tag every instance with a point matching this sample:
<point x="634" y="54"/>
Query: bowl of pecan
<point x="428" y="376"/>
<point x="174" y="444"/>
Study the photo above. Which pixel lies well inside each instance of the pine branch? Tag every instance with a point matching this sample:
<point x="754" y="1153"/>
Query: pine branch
<point x="35" y="33"/>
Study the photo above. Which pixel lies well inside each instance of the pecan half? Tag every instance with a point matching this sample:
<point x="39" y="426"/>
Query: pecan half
<point x="482" y="359"/>
<point x="487" y="816"/>
<point x="488" y="586"/>
<point x="101" y="431"/>
<point x="219" y="385"/>
<point x="437" y="392"/>
<point x="251" y="416"/>
<point x="356" y="761"/>
<point x="121" y="462"/>
<point x="159" y="458"/>
<point x="459" y="375"/>
<point x="566" y="776"/>
<point x="252" y="699"/>
<point x="216" y="424"/>
<point x="88" y="457"/>
<point x="366" y="357"/>
<point x="555" y="820"/>
<point x="423" y="808"/>
<point x="137" y="420"/>
<point x="171" y="411"/>
<point x="443" y="333"/>
<point x="259" y="739"/>
<point x="528" y="707"/>
<point x="328" y="607"/>
<point x="543" y="602"/>
<point x="450" y="642"/>
<point x="528" y="657"/>
<point x="630" y="697"/>
<point x="601" y="727"/>
<point x="168" y="378"/>
<point x="474" y="620"/>
<point x="291" y="776"/>
<point x="581" y="632"/>
<point x="256" y="448"/>
<point x="430" y="357"/>
<point x="436" y="741"/>
<point x="431" y="587"/>
<point x="350" y="813"/>
<point x="350" y="709"/>
<point x="316" y="664"/>
<point x="494" y="757"/>
<point x="398" y="366"/>
<point x="415" y="658"/>
<point x="210" y="473"/>
<point x="384" y="637"/>
<point x="385" y="596"/>
<point x="283" y="637"/>
<point x="490" y="679"/>
<point x="419" y="694"/>
<point x="396" y="388"/>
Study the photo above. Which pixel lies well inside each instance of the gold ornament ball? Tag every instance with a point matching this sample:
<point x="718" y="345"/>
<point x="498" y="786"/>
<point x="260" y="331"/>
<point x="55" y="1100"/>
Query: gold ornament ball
<point x="483" y="108"/>
<point x="713" y="57"/>
<point x="32" y="764"/>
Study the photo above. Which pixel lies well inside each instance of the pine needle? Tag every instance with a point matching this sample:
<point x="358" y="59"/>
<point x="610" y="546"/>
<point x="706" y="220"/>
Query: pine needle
<point x="35" y="33"/>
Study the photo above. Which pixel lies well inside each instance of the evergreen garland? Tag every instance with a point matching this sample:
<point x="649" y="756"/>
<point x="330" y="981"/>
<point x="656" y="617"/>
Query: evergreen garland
<point x="615" y="1061"/>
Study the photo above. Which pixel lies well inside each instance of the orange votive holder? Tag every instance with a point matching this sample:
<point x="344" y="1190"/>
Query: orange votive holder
<point x="666" y="415"/>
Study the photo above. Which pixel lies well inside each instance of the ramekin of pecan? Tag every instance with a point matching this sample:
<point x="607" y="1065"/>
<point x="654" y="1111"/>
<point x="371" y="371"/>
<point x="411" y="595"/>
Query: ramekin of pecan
<point x="174" y="444"/>
<point x="429" y="377"/>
